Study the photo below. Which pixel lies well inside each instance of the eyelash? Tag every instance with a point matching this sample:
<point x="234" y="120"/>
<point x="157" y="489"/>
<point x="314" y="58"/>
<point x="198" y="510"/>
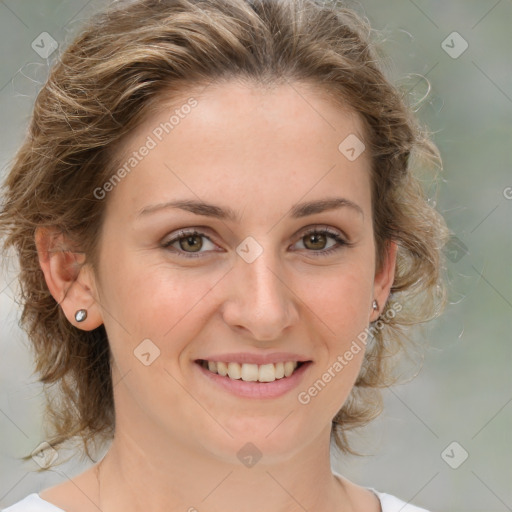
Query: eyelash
<point x="316" y="231"/>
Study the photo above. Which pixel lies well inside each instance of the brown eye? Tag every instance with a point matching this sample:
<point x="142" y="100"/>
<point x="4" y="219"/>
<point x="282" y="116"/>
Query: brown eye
<point x="192" y="242"/>
<point x="315" y="241"/>
<point x="189" y="244"/>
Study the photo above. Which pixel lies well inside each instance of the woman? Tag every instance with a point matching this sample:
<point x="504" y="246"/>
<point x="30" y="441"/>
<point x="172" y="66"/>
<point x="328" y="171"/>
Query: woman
<point x="221" y="240"/>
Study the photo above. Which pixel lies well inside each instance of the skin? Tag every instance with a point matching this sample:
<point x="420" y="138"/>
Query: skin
<point x="258" y="151"/>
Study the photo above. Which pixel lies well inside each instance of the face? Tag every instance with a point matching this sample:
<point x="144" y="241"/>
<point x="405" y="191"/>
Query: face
<point x="256" y="276"/>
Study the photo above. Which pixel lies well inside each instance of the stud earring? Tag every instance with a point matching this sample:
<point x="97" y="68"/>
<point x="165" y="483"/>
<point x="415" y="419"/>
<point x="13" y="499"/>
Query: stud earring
<point x="375" y="305"/>
<point x="81" y="315"/>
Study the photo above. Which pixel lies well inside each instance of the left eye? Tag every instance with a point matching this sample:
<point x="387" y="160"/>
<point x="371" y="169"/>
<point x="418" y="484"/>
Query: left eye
<point x="320" y="238"/>
<point x="190" y="243"/>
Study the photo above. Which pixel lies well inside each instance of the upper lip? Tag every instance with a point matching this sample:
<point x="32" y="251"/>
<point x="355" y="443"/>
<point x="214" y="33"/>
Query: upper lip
<point x="259" y="359"/>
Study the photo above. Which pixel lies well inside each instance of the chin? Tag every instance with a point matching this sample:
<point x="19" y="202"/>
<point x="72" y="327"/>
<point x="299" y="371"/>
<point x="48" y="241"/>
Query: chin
<point x="272" y="439"/>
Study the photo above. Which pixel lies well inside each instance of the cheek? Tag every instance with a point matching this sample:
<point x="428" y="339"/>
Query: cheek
<point x="329" y="385"/>
<point x="165" y="302"/>
<point x="340" y="304"/>
<point x="155" y="301"/>
<point x="341" y="299"/>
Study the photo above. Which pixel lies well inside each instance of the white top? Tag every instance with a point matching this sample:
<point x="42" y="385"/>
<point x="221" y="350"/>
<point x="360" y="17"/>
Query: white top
<point x="34" y="503"/>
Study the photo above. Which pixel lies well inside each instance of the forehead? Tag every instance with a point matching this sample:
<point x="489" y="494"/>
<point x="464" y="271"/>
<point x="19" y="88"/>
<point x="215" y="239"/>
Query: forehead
<point x="241" y="141"/>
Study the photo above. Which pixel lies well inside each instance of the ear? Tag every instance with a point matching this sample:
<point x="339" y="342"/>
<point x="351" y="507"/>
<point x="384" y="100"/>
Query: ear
<point x="383" y="280"/>
<point x="70" y="281"/>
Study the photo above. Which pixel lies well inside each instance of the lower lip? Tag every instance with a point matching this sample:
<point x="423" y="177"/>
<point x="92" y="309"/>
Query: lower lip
<point x="257" y="389"/>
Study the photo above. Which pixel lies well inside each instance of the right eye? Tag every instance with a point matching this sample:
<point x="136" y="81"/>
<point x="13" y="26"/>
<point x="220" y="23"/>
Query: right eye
<point x="190" y="239"/>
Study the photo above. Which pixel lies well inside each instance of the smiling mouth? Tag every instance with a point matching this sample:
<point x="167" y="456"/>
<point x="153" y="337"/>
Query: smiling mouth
<point x="252" y="372"/>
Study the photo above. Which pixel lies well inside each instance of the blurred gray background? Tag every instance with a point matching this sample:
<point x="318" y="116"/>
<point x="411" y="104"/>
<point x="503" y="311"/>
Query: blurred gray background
<point x="444" y="440"/>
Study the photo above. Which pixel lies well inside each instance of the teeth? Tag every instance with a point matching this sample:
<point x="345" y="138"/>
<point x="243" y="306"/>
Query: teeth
<point x="267" y="373"/>
<point x="234" y="371"/>
<point x="222" y="369"/>
<point x="252" y="372"/>
<point x="288" y="368"/>
<point x="249" y="372"/>
<point x="279" y="370"/>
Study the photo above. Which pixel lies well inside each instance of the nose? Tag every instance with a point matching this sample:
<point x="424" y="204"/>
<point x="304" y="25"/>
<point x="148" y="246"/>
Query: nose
<point x="260" y="300"/>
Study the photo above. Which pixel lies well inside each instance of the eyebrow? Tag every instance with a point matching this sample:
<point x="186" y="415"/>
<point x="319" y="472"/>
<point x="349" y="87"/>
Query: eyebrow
<point x="210" y="210"/>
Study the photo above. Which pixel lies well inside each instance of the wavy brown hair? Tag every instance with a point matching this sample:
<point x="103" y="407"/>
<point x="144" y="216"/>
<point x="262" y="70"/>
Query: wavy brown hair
<point x="113" y="75"/>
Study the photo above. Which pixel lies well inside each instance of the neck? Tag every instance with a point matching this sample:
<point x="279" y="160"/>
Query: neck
<point x="138" y="474"/>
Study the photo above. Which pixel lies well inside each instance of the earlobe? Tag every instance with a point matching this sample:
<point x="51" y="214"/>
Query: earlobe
<point x="384" y="279"/>
<point x="70" y="282"/>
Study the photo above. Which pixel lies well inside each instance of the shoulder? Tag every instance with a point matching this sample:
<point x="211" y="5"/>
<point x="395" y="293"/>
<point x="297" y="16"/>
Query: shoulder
<point x="61" y="497"/>
<point x="32" y="503"/>
<point x="388" y="503"/>
<point x="391" y="503"/>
